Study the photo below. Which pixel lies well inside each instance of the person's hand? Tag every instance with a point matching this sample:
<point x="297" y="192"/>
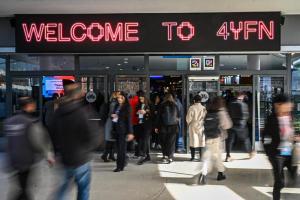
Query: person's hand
<point x="51" y="161"/>
<point x="114" y="115"/>
<point x="142" y="112"/>
<point x="156" y="130"/>
<point x="130" y="137"/>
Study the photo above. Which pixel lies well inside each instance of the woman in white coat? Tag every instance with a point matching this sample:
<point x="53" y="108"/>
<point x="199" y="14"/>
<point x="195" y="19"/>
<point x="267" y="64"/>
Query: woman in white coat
<point x="195" y="119"/>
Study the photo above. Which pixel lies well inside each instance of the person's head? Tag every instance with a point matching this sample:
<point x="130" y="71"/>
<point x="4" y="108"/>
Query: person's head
<point x="72" y="90"/>
<point x="55" y="96"/>
<point x="282" y="105"/>
<point x="240" y="96"/>
<point x="216" y="104"/>
<point x="169" y="98"/>
<point x="122" y="98"/>
<point x="140" y="93"/>
<point x="197" y="99"/>
<point x="114" y="95"/>
<point x="27" y="104"/>
<point x="68" y="85"/>
<point x="143" y="99"/>
<point x="157" y="99"/>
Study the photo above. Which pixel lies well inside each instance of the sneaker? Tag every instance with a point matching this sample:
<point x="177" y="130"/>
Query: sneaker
<point x="153" y="145"/>
<point x="141" y="161"/>
<point x="228" y="159"/>
<point x="104" y="158"/>
<point x="221" y="176"/>
<point x="202" y="179"/>
<point x="165" y="161"/>
<point x="170" y="160"/>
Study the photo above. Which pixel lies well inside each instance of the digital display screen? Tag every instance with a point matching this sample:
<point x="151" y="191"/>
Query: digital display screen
<point x="54" y="84"/>
<point x="161" y="32"/>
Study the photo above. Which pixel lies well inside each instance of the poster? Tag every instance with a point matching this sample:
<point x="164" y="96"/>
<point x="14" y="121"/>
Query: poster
<point x="209" y="63"/>
<point x="195" y="64"/>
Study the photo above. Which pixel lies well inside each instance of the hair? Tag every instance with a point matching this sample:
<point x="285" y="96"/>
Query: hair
<point x="114" y="95"/>
<point x="197" y="99"/>
<point x="216" y="104"/>
<point x="147" y="101"/>
<point x="126" y="103"/>
<point x="169" y="98"/>
<point x="125" y="106"/>
<point x="55" y="96"/>
<point x="24" y="101"/>
<point x="281" y="98"/>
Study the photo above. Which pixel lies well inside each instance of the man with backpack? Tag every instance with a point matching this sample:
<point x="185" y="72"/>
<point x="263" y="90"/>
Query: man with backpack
<point x="216" y="123"/>
<point x="239" y="113"/>
<point x="27" y="142"/>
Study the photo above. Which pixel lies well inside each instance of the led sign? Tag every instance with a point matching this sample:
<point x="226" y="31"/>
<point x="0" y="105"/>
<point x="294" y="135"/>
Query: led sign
<point x="117" y="33"/>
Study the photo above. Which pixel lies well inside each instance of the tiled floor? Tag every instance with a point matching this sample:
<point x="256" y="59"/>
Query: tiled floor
<point x="246" y="179"/>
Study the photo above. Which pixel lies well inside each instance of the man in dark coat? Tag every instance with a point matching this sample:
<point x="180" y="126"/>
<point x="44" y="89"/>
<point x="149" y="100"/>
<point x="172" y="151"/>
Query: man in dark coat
<point x="76" y="137"/>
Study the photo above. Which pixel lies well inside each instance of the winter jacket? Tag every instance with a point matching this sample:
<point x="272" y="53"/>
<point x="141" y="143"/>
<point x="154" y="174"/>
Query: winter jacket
<point x="76" y="136"/>
<point x="168" y="115"/>
<point x="124" y="125"/>
<point x="239" y="113"/>
<point x="27" y="141"/>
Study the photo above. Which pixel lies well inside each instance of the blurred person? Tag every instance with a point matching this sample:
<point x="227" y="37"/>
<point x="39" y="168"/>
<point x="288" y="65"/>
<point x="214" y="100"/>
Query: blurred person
<point x="179" y="137"/>
<point x="121" y="119"/>
<point x="155" y="137"/>
<point x="144" y="128"/>
<point x="195" y="119"/>
<point x="134" y="120"/>
<point x="239" y="113"/>
<point x="27" y="141"/>
<point x="76" y="137"/>
<point x="216" y="122"/>
<point x="110" y="138"/>
<point x="278" y="139"/>
<point x="167" y="126"/>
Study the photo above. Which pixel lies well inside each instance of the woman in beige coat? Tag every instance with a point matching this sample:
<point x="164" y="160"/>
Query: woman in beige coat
<point x="195" y="118"/>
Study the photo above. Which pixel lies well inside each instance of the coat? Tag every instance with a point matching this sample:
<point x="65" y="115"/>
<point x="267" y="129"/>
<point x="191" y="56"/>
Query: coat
<point x="225" y="122"/>
<point x="108" y="124"/>
<point x="195" y="119"/>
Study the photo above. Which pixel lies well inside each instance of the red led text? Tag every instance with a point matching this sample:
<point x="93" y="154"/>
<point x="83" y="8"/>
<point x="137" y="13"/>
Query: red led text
<point x="80" y="32"/>
<point x="184" y="36"/>
<point x="247" y="30"/>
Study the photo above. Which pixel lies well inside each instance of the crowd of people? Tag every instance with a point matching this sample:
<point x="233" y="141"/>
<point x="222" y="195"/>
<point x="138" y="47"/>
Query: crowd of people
<point x="72" y="134"/>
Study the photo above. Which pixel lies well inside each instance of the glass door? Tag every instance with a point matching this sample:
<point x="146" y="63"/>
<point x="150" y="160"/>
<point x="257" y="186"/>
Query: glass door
<point x="268" y="86"/>
<point x="130" y="84"/>
<point x="25" y="86"/>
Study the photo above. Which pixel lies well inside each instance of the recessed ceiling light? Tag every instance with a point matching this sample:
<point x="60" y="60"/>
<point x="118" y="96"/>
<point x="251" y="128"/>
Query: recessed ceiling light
<point x="121" y="69"/>
<point x="125" y="58"/>
<point x="126" y="62"/>
<point x="107" y="67"/>
<point x="234" y="68"/>
<point x="119" y="64"/>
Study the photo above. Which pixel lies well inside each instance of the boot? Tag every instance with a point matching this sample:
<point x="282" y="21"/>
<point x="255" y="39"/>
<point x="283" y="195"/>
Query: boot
<point x="192" y="153"/>
<point x="104" y="158"/>
<point x="221" y="176"/>
<point x="202" y="179"/>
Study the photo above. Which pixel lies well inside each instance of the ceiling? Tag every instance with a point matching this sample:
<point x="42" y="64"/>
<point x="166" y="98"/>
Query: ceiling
<point x="11" y="7"/>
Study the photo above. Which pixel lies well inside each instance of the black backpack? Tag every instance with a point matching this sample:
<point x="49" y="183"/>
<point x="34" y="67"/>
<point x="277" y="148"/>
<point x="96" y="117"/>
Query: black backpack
<point x="211" y="125"/>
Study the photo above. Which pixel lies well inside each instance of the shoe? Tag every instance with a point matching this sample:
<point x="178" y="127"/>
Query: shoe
<point x="252" y="155"/>
<point x="104" y="158"/>
<point x="153" y="145"/>
<point x="118" y="170"/>
<point x="228" y="159"/>
<point x="141" y="161"/>
<point x="158" y="147"/>
<point x="170" y="160"/>
<point x="221" y="176"/>
<point x="192" y="159"/>
<point x="202" y="179"/>
<point x="165" y="161"/>
<point x="112" y="158"/>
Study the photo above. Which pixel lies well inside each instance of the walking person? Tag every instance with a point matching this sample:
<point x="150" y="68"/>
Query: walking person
<point x="144" y="129"/>
<point x="167" y="127"/>
<point x="76" y="138"/>
<point x="278" y="139"/>
<point x="155" y="141"/>
<point x="110" y="139"/>
<point x="239" y="113"/>
<point x="122" y="127"/>
<point x="195" y="120"/>
<point x="27" y="140"/>
<point x="217" y="121"/>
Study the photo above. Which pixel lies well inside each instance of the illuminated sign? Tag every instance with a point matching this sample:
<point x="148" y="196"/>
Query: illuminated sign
<point x="120" y="33"/>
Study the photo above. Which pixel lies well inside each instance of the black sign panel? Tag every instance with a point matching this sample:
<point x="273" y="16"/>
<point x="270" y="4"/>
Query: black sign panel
<point x="120" y="33"/>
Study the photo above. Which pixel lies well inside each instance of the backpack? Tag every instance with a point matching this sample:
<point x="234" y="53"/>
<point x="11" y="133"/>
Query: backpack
<point x="170" y="114"/>
<point x="211" y="125"/>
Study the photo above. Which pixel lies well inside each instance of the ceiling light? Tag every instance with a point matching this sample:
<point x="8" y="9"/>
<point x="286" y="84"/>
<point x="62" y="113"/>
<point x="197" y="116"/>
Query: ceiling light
<point x="126" y="62"/>
<point x="234" y="68"/>
<point x="121" y="69"/>
<point x="119" y="64"/>
<point x="107" y="67"/>
<point x="125" y="58"/>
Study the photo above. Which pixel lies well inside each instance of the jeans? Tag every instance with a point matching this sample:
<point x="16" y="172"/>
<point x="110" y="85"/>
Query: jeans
<point x="82" y="177"/>
<point x="23" y="177"/>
